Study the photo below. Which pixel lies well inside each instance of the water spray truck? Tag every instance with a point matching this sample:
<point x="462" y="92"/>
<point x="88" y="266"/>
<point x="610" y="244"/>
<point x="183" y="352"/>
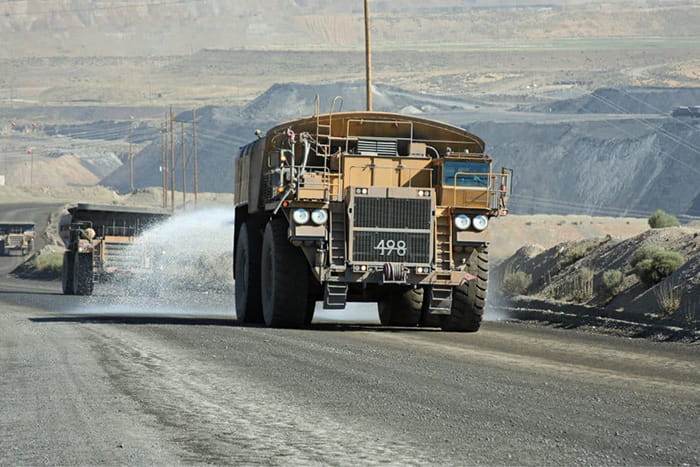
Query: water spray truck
<point x="99" y="243"/>
<point x="365" y="206"/>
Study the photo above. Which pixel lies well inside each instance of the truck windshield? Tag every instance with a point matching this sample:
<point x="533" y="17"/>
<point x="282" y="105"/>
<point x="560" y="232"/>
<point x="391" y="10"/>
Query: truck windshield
<point x="467" y="173"/>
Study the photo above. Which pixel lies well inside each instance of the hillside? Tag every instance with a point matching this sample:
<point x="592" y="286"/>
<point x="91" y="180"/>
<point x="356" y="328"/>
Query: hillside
<point x="594" y="164"/>
<point x="573" y="272"/>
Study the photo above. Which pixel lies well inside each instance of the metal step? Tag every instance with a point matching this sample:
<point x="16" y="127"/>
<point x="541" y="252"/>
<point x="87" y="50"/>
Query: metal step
<point x="335" y="295"/>
<point x="440" y="300"/>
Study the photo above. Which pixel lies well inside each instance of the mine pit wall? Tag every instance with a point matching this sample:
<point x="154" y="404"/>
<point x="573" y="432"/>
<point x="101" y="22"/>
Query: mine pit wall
<point x="605" y="167"/>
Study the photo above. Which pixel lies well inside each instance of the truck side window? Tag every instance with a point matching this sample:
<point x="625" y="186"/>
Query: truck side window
<point x="466" y="173"/>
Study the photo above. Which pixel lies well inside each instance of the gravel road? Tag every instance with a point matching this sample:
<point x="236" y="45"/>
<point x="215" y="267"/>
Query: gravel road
<point x="139" y="380"/>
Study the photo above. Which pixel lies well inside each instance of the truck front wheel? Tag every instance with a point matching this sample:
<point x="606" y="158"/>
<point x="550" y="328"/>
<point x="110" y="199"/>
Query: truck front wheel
<point x="469" y="300"/>
<point x="67" y="274"/>
<point x="82" y="274"/>
<point x="401" y="306"/>
<point x="248" y="304"/>
<point x="285" y="278"/>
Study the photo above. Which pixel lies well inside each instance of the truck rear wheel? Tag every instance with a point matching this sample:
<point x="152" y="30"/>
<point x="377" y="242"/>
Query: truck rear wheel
<point x="82" y="274"/>
<point x="469" y="300"/>
<point x="248" y="303"/>
<point x="401" y="306"/>
<point x="67" y="274"/>
<point x="285" y="278"/>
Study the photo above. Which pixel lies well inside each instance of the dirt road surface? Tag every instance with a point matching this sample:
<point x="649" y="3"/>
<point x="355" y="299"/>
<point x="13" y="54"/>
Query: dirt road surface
<point x="139" y="380"/>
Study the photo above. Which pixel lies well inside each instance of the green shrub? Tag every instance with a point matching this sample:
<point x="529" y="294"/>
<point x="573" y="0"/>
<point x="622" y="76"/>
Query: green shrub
<point x="661" y="219"/>
<point x="516" y="283"/>
<point x="645" y="252"/>
<point x="611" y="281"/>
<point x="660" y="264"/>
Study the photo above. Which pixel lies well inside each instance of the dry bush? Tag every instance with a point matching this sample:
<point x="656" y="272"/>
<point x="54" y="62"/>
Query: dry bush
<point x="578" y="287"/>
<point x="611" y="281"/>
<point x="690" y="315"/>
<point x="49" y="263"/>
<point x="515" y="282"/>
<point x="582" y="285"/>
<point x="668" y="297"/>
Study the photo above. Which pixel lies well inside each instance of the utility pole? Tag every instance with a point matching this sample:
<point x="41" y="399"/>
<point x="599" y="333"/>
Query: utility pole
<point x="194" y="146"/>
<point x="368" y="57"/>
<point x="184" y="174"/>
<point x="164" y="160"/>
<point x="131" y="152"/>
<point x="172" y="161"/>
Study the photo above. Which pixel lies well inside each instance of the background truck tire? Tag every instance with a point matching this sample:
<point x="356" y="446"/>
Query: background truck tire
<point x="469" y="300"/>
<point x="401" y="306"/>
<point x="82" y="276"/>
<point x="285" y="278"/>
<point x="67" y="274"/>
<point x="248" y="302"/>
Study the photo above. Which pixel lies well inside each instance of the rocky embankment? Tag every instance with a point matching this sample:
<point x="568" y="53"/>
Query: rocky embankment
<point x="603" y="273"/>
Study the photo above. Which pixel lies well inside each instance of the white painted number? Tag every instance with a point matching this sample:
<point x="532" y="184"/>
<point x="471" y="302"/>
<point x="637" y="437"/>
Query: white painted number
<point x="390" y="246"/>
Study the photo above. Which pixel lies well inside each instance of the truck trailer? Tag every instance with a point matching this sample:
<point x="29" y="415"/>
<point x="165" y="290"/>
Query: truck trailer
<point x="365" y="206"/>
<point x="99" y="243"/>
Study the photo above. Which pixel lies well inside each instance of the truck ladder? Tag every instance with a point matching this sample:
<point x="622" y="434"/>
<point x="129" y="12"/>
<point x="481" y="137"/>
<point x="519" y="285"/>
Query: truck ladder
<point x="324" y="131"/>
<point x="337" y="259"/>
<point x="443" y="241"/>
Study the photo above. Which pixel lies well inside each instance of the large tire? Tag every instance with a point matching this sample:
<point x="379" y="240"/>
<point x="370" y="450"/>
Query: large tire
<point x="67" y="274"/>
<point x="82" y="274"/>
<point x="285" y="279"/>
<point x="248" y="301"/>
<point x="469" y="300"/>
<point x="401" y="306"/>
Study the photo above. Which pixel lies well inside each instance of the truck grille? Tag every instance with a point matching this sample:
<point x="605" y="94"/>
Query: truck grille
<point x="392" y="213"/>
<point x="392" y="230"/>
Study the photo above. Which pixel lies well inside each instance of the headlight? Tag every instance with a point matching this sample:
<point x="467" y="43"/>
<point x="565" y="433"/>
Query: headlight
<point x="300" y="216"/>
<point x="319" y="216"/>
<point x="480" y="222"/>
<point x="462" y="221"/>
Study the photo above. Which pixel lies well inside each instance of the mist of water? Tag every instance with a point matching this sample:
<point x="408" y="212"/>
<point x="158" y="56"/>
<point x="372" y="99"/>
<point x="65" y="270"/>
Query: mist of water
<point x="190" y="253"/>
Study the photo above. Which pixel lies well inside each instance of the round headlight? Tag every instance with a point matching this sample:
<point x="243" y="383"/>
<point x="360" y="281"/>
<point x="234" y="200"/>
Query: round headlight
<point x="300" y="216"/>
<point x="462" y="221"/>
<point x="480" y="222"/>
<point x="319" y="216"/>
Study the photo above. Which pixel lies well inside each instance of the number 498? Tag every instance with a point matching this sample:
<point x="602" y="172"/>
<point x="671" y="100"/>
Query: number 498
<point x="387" y="247"/>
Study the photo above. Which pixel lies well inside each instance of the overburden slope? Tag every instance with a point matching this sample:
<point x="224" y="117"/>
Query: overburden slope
<point x="594" y="164"/>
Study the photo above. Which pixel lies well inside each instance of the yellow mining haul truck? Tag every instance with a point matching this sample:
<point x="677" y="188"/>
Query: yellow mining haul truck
<point x="99" y="244"/>
<point x="365" y="206"/>
<point x="16" y="236"/>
